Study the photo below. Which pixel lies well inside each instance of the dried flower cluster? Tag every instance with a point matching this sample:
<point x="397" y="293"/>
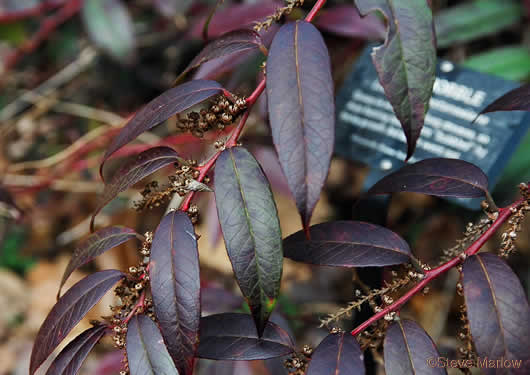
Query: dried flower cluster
<point x="278" y="14"/>
<point x="509" y="236"/>
<point x="466" y="349"/>
<point x="297" y="363"/>
<point x="222" y="112"/>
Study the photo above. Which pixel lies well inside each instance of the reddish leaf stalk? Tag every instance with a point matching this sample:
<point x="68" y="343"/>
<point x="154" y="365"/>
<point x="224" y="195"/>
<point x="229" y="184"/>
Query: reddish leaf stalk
<point x="503" y="215"/>
<point x="139" y="304"/>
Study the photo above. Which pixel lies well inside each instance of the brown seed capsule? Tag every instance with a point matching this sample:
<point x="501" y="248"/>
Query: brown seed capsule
<point x="226" y="118"/>
<point x="240" y="102"/>
<point x="211" y="118"/>
<point x="215" y="109"/>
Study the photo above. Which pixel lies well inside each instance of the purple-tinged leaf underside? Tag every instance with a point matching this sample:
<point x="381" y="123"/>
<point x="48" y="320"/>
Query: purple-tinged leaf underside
<point x="439" y="177"/>
<point x="301" y="110"/>
<point x="497" y="311"/>
<point x="231" y="43"/>
<point x="515" y="100"/>
<point x="168" y="104"/>
<point x="347" y="244"/>
<point x="408" y="350"/>
<point x="68" y="311"/>
<point x="133" y="171"/>
<point x="146" y="352"/>
<point x="345" y="20"/>
<point x="96" y="244"/>
<point x="406" y="62"/>
<point x="175" y="286"/>
<point x="233" y="336"/>
<point x="337" y="354"/>
<point x="70" y="359"/>
<point x="251" y="230"/>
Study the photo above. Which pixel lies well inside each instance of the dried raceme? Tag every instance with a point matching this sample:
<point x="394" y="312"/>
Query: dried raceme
<point x="278" y="14"/>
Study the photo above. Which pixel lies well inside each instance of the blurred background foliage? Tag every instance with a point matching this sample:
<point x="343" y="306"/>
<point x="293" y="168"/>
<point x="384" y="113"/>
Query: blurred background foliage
<point x="72" y="71"/>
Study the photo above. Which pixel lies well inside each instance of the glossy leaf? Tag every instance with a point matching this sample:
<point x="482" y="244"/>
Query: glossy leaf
<point x="232" y="336"/>
<point x="171" y="8"/>
<point x="515" y="100"/>
<point x="345" y="20"/>
<point x="347" y="244"/>
<point x="476" y="19"/>
<point x="161" y="108"/>
<point x="110" y="26"/>
<point x="95" y="245"/>
<point x="301" y="110"/>
<point x="146" y="352"/>
<point x="68" y="311"/>
<point x="234" y="42"/>
<point x="512" y="62"/>
<point x="235" y="16"/>
<point x="133" y="171"/>
<point x="337" y="354"/>
<point x="497" y="310"/>
<point x="406" y="62"/>
<point x="251" y="230"/>
<point x="409" y="350"/>
<point x="70" y="359"/>
<point x="175" y="286"/>
<point x="437" y="176"/>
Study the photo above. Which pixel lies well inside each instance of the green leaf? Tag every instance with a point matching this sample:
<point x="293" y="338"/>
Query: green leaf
<point x="511" y="63"/>
<point x="251" y="229"/>
<point x="110" y="26"/>
<point x="406" y="62"/>
<point x="474" y="20"/>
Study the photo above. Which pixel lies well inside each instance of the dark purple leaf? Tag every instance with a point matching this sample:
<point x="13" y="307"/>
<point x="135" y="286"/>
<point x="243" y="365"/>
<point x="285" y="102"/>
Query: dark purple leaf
<point x="234" y="337"/>
<point x="406" y="62"/>
<point x="175" y="286"/>
<point x="95" y="245"/>
<point x="409" y="350"/>
<point x="161" y="108"/>
<point x="345" y="20"/>
<point x="68" y="311"/>
<point x="229" y="44"/>
<point x="235" y="17"/>
<point x="216" y="68"/>
<point x="301" y="110"/>
<point x="110" y="26"/>
<point x="515" y="100"/>
<point x="437" y="176"/>
<point x="337" y="354"/>
<point x="133" y="171"/>
<point x="170" y="8"/>
<point x="146" y="352"/>
<point x="70" y="359"/>
<point x="497" y="310"/>
<point x="251" y="229"/>
<point x="347" y="244"/>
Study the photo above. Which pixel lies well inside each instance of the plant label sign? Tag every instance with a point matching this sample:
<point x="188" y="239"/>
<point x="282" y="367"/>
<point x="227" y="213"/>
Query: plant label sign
<point x="369" y="132"/>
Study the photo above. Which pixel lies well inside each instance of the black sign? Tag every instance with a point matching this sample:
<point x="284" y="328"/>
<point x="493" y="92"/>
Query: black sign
<point x="369" y="132"/>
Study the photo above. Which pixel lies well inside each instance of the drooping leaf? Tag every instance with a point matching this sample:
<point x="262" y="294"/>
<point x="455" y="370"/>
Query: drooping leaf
<point x="301" y="110"/>
<point x="406" y="62"/>
<point x="95" y="245"/>
<point x="512" y="63"/>
<point x="234" y="16"/>
<point x="175" y="286"/>
<point x="475" y="19"/>
<point x="515" y="100"/>
<point x="345" y="20"/>
<point x="70" y="359"/>
<point x="161" y="108"/>
<point x="497" y="310"/>
<point x="409" y="350"/>
<point x="136" y="169"/>
<point x="233" y="336"/>
<point x="437" y="176"/>
<point x="337" y="354"/>
<point x="231" y="43"/>
<point x="347" y="244"/>
<point x="68" y="311"/>
<point x="251" y="230"/>
<point x="146" y="352"/>
<point x="170" y="8"/>
<point x="110" y="26"/>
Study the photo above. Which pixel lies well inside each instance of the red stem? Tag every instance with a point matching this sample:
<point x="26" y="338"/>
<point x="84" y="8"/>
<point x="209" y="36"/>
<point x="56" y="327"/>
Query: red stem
<point x="69" y="9"/>
<point x="503" y="215"/>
